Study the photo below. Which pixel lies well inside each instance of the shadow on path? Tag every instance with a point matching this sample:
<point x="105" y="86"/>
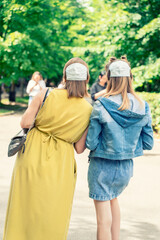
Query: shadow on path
<point x="133" y="231"/>
<point x="140" y="230"/>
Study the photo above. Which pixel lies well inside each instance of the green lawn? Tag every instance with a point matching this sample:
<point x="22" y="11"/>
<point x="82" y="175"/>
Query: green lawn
<point x="7" y="107"/>
<point x="4" y="111"/>
<point x="22" y="100"/>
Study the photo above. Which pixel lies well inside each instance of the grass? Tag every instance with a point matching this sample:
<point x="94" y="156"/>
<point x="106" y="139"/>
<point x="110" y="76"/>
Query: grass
<point x="5" y="111"/>
<point x="18" y="106"/>
<point x="22" y="100"/>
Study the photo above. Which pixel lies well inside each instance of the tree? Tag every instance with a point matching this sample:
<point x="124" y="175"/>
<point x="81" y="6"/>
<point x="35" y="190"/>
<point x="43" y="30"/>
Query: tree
<point x="42" y="35"/>
<point x="140" y="41"/>
<point x="32" y="37"/>
<point x="124" y="27"/>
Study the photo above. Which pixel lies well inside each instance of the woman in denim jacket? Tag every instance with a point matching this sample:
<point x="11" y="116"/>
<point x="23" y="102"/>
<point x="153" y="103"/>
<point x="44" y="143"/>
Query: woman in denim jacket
<point x="120" y="129"/>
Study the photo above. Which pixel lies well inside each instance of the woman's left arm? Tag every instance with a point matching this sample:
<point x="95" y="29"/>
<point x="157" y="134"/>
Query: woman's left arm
<point x="80" y="146"/>
<point x="147" y="132"/>
<point x="32" y="110"/>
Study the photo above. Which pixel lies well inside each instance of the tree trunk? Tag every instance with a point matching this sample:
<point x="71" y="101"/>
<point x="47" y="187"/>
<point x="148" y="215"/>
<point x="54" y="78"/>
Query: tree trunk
<point x="0" y="93"/>
<point x="22" y="86"/>
<point x="12" y="93"/>
<point x="148" y="87"/>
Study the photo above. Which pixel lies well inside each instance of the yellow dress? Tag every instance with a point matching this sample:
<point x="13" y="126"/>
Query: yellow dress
<point x="44" y="176"/>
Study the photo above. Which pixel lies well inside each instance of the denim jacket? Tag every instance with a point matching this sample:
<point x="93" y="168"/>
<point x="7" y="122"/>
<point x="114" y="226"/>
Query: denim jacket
<point x="119" y="135"/>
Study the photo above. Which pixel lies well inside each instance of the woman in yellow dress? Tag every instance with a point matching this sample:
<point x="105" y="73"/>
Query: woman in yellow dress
<point x="44" y="176"/>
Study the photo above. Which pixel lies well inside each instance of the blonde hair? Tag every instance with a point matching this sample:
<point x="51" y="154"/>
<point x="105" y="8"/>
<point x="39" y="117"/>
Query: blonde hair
<point x="37" y="73"/>
<point x="76" y="88"/>
<point x="120" y="85"/>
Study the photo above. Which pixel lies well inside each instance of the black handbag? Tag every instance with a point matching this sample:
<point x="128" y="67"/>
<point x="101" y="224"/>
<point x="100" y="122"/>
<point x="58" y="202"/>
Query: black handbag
<point x="18" y="141"/>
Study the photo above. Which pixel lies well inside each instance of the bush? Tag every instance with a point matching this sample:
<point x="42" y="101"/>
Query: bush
<point x="153" y="100"/>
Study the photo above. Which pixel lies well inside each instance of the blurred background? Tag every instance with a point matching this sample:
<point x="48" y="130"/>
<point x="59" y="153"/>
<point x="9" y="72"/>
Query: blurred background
<point x="41" y="35"/>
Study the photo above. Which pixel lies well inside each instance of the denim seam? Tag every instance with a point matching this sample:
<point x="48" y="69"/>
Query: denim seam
<point x="116" y="156"/>
<point x="102" y="198"/>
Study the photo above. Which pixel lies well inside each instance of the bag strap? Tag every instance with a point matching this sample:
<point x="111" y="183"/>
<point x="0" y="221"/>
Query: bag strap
<point x="17" y="134"/>
<point x="44" y="97"/>
<point x="38" y="111"/>
<point x="25" y="134"/>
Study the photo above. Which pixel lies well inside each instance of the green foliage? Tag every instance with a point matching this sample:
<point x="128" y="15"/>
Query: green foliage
<point x="147" y="76"/>
<point x="141" y="42"/>
<point x="5" y="111"/>
<point x="122" y="27"/>
<point x="153" y="100"/>
<point x="32" y="36"/>
<point x="22" y="100"/>
<point x="42" y="35"/>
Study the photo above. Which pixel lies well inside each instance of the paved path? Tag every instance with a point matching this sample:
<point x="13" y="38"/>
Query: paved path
<point x="140" y="202"/>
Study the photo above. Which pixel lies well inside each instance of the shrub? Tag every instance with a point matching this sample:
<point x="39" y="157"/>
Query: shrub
<point x="153" y="100"/>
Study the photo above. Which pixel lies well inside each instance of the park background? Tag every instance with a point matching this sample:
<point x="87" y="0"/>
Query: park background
<point x="42" y="35"/>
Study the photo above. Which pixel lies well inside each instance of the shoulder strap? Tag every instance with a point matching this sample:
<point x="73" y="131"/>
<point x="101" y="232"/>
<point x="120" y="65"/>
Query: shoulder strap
<point x="25" y="134"/>
<point x="38" y="111"/>
<point x="45" y="97"/>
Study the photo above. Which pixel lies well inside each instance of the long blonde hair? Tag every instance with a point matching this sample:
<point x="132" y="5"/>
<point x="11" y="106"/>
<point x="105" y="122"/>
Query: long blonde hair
<point x="120" y="85"/>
